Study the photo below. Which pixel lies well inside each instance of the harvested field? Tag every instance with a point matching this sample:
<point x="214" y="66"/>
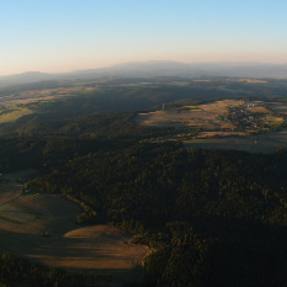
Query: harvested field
<point x="100" y="246"/>
<point x="42" y="227"/>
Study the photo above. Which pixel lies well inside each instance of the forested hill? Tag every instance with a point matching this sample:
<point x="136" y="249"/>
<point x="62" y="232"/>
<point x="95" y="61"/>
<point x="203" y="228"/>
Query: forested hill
<point x="215" y="218"/>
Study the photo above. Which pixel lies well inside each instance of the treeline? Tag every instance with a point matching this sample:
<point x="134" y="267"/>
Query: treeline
<point x="188" y="183"/>
<point x="214" y="218"/>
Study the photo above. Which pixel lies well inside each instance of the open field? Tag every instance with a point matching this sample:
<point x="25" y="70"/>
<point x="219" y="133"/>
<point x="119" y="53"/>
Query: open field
<point x="253" y="81"/>
<point x="42" y="227"/>
<point x="253" y="126"/>
<point x="225" y="118"/>
<point x="14" y="114"/>
<point x="218" y="120"/>
<point x="204" y="116"/>
<point x="24" y="103"/>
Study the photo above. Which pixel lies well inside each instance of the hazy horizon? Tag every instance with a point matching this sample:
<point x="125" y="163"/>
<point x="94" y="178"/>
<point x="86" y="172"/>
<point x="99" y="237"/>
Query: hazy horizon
<point x="229" y="64"/>
<point x="63" y="36"/>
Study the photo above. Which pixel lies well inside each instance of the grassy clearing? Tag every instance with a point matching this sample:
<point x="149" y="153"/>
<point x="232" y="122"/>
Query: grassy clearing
<point x="25" y="103"/>
<point x="224" y="118"/>
<point x="274" y="121"/>
<point x="206" y="116"/>
<point x="13" y="115"/>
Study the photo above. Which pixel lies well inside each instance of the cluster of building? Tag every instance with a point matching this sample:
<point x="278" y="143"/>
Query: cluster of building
<point x="243" y="118"/>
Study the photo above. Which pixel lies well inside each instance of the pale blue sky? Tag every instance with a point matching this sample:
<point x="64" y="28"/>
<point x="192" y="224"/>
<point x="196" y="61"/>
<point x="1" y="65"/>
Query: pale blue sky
<point x="63" y="35"/>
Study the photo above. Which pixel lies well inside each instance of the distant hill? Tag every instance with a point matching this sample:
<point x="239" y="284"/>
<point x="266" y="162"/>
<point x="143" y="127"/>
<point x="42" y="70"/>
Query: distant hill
<point x="25" y="78"/>
<point x="156" y="69"/>
<point x="200" y="70"/>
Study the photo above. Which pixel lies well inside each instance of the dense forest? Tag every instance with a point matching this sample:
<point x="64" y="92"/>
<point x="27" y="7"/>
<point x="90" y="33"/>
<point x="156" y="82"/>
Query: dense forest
<point x="212" y="217"/>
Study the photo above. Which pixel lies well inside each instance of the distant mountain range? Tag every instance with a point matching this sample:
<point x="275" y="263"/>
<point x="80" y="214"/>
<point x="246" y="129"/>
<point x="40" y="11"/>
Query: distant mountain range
<point x="155" y="69"/>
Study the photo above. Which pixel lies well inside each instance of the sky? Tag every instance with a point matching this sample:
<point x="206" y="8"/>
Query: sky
<point x="67" y="35"/>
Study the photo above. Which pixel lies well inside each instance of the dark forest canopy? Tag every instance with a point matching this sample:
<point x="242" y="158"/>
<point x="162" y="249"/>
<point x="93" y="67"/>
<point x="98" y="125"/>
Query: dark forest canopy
<point x="209" y="208"/>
